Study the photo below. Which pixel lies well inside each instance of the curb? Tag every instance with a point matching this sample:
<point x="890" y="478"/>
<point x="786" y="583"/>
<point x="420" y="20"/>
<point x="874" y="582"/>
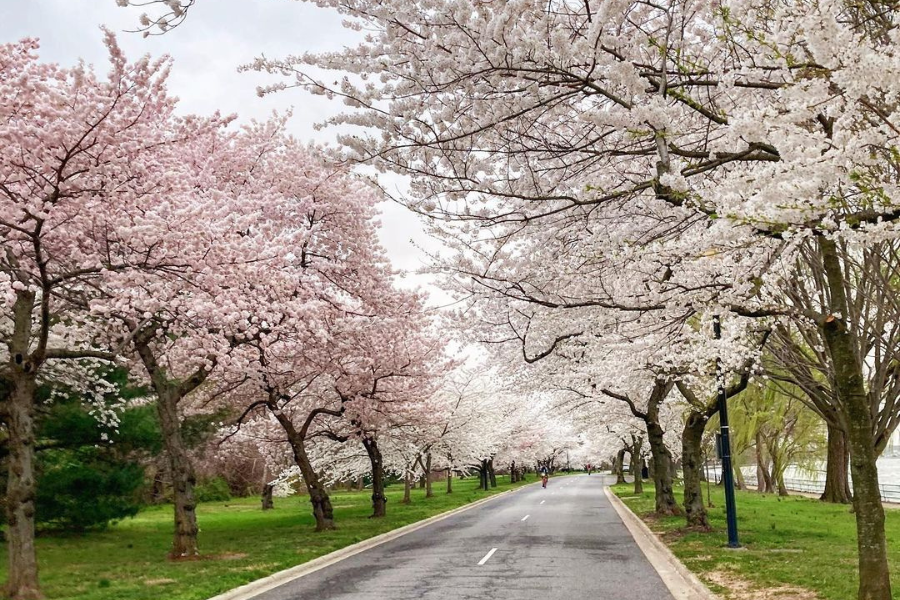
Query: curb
<point x="254" y="588"/>
<point x="682" y="584"/>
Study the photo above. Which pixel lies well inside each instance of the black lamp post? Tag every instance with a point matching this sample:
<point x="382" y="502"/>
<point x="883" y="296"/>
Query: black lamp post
<point x="727" y="473"/>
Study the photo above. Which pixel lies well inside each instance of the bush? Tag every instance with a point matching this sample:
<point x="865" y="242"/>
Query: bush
<point x="213" y="490"/>
<point x="78" y="490"/>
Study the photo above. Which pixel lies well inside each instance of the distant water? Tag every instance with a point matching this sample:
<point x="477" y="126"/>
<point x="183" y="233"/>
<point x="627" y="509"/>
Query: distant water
<point x="813" y="480"/>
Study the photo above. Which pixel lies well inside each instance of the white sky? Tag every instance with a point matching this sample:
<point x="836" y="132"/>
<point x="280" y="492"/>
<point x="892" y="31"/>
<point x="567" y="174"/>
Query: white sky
<point x="218" y="36"/>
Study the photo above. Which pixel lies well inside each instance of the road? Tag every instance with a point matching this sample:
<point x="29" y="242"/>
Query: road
<point x="565" y="542"/>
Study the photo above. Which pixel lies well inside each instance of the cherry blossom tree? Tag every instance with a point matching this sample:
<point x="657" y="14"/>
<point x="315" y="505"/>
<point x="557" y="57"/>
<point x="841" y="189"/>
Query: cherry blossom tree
<point x="81" y="154"/>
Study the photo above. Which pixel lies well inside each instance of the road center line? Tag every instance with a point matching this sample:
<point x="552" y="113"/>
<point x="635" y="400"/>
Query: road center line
<point x="486" y="557"/>
<point x="525" y="517"/>
<point x="542" y="501"/>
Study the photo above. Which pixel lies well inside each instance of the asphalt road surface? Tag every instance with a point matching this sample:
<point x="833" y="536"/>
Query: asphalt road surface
<point x="565" y="542"/>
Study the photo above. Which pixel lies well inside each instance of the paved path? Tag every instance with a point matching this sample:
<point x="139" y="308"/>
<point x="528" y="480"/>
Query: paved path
<point x="565" y="542"/>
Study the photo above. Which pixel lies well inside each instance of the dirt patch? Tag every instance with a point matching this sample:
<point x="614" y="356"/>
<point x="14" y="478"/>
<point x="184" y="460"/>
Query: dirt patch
<point x="741" y="589"/>
<point x="158" y="581"/>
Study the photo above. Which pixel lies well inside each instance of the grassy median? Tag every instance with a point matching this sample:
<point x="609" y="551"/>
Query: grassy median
<point x="795" y="547"/>
<point x="239" y="542"/>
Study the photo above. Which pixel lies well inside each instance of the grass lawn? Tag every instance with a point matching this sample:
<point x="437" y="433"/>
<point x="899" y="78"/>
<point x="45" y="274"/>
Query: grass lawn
<point x="239" y="543"/>
<point x="792" y="542"/>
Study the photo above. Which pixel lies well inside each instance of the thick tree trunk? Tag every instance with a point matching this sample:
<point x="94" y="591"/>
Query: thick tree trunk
<point x="513" y="474"/>
<point x="428" y="492"/>
<point x="184" y="544"/>
<point x="491" y="473"/>
<point x="661" y="459"/>
<point x="268" y="501"/>
<point x="874" y="575"/>
<point x="619" y="467"/>
<point x="379" y="500"/>
<point x="691" y="464"/>
<point x="22" y="582"/>
<point x="484" y="483"/>
<point x="360" y="484"/>
<point x="449" y="481"/>
<point x="837" y="467"/>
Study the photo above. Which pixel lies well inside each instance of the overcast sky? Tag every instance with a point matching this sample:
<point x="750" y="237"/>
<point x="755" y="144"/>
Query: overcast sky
<point x="218" y="36"/>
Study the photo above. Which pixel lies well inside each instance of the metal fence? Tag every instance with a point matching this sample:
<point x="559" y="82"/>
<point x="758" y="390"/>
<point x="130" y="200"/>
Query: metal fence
<point x="889" y="492"/>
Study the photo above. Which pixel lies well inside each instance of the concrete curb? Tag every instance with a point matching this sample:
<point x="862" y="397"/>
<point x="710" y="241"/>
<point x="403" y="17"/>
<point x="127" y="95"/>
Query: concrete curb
<point x="254" y="588"/>
<point x="683" y="584"/>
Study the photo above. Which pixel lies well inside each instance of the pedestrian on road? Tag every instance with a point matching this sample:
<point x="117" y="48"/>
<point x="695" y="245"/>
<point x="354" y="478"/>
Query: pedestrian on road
<point x="544" y="476"/>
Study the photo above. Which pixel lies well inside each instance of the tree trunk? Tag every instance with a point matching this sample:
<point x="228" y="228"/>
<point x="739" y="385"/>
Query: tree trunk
<point x="318" y="495"/>
<point x="874" y="575"/>
<point x="184" y="544"/>
<point x="691" y="464"/>
<point x="449" y="480"/>
<point x="484" y="484"/>
<point x="491" y="473"/>
<point x="739" y="482"/>
<point x="513" y="475"/>
<point x="636" y="465"/>
<point x="764" y="483"/>
<point x="661" y="460"/>
<point x="428" y="491"/>
<point x="779" y="482"/>
<point x="837" y="467"/>
<point x="619" y="467"/>
<point x="268" y="502"/>
<point x="360" y="484"/>
<point x="22" y="583"/>
<point x="407" y="487"/>
<point x="379" y="500"/>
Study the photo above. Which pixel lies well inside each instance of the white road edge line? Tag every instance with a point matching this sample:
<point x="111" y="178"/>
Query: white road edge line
<point x="486" y="557"/>
<point x="542" y="501"/>
<point x="525" y="517"/>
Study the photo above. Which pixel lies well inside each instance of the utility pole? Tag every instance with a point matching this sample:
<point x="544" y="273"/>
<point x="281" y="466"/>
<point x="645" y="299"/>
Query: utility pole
<point x="727" y="473"/>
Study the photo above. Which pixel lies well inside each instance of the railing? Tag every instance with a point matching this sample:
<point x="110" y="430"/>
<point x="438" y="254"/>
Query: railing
<point x="889" y="492"/>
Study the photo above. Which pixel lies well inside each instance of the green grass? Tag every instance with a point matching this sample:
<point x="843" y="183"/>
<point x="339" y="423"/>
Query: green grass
<point x="239" y="543"/>
<point x="792" y="541"/>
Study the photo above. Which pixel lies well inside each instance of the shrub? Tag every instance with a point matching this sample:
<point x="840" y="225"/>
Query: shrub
<point x="213" y="490"/>
<point x="78" y="490"/>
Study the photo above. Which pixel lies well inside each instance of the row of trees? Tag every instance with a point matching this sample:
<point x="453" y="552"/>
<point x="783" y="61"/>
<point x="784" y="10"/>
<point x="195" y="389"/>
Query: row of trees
<point x="221" y="268"/>
<point x="158" y="270"/>
<point x="608" y="177"/>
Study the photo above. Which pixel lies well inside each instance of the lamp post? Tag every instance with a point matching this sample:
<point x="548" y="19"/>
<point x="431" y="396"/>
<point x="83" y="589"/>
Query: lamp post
<point x="727" y="473"/>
